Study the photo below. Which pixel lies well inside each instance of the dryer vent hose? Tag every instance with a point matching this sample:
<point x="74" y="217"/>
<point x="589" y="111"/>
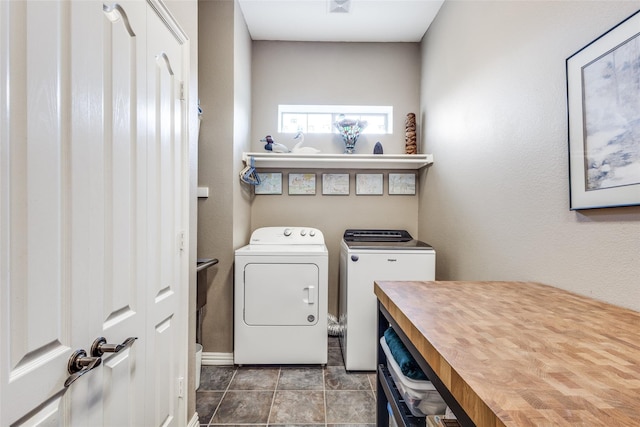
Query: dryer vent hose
<point x="334" y="328"/>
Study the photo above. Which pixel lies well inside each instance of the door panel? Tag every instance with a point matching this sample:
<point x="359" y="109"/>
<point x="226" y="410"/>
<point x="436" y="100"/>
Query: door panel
<point x="165" y="227"/>
<point x="120" y="402"/>
<point x="122" y="313"/>
<point x="35" y="321"/>
<point x="123" y="180"/>
<point x="121" y="141"/>
<point x="91" y="207"/>
<point x="280" y="294"/>
<point x="164" y="405"/>
<point x="47" y="415"/>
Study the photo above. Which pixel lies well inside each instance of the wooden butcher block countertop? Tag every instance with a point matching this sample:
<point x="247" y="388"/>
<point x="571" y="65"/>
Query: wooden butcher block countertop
<point x="524" y="354"/>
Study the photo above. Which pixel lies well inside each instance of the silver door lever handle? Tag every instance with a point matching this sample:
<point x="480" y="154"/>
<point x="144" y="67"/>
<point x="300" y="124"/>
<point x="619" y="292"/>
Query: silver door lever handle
<point x="79" y="364"/>
<point x="100" y="346"/>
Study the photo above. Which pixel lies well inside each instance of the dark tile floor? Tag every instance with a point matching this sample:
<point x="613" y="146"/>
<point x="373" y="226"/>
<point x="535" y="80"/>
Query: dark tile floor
<point x="287" y="395"/>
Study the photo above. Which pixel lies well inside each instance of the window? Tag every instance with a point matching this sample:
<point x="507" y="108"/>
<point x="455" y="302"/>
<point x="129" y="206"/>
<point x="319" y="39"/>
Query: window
<point x="320" y="118"/>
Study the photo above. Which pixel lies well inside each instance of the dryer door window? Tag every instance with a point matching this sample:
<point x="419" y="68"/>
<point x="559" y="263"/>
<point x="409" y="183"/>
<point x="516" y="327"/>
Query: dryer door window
<point x="281" y="294"/>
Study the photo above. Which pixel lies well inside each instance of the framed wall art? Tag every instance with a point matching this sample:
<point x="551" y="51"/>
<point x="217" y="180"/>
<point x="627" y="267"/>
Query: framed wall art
<point x="603" y="98"/>
<point x="302" y="183"/>
<point x="402" y="183"/>
<point x="335" y="184"/>
<point x="369" y="184"/>
<point x="270" y="183"/>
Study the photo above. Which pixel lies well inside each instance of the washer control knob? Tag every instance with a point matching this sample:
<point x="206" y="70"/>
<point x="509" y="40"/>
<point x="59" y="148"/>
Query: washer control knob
<point x="303" y="232"/>
<point x="312" y="233"/>
<point x="311" y="318"/>
<point x="355" y="258"/>
<point x="287" y="232"/>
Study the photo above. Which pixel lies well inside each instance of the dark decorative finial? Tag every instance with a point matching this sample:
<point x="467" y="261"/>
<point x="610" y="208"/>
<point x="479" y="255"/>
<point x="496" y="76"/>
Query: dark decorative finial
<point x="377" y="149"/>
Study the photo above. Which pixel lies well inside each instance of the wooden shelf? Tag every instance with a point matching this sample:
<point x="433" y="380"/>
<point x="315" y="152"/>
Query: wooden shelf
<point x="338" y="161"/>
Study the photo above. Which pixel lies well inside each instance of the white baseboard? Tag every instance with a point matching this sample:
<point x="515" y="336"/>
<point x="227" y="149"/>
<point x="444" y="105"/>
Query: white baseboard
<point x="217" y="359"/>
<point x="194" y="421"/>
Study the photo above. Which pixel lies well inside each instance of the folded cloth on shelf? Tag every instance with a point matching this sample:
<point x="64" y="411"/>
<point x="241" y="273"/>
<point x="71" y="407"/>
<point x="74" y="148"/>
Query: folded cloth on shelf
<point x="403" y="358"/>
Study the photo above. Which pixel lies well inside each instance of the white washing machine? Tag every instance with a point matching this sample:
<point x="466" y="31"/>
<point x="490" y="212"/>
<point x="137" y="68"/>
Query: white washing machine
<point x="366" y="256"/>
<point x="281" y="297"/>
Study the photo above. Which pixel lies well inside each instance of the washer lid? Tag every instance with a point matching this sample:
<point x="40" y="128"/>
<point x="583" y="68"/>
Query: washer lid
<point x="382" y="239"/>
<point x="377" y="235"/>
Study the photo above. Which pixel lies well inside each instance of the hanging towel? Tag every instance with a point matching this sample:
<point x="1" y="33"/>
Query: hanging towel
<point x="403" y="358"/>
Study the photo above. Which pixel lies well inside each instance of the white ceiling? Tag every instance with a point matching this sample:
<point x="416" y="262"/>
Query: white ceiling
<point x="366" y="21"/>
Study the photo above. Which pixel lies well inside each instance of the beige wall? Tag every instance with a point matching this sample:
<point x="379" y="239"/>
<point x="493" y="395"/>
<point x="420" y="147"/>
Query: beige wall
<point x="334" y="73"/>
<point x="495" y="203"/>
<point x="241" y="127"/>
<point x="223" y="218"/>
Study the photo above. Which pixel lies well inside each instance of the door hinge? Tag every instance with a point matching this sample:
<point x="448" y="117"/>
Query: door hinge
<point x="181" y="91"/>
<point x="181" y="241"/>
<point x="180" y="387"/>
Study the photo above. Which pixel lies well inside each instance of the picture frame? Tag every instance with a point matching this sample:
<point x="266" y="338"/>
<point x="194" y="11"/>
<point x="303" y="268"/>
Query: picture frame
<point x="270" y="183"/>
<point x="369" y="184"/>
<point x="335" y="184"/>
<point x="402" y="184"/>
<point x="302" y="184"/>
<point x="603" y="100"/>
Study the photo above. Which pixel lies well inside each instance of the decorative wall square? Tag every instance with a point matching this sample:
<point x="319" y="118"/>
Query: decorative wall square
<point x="335" y="184"/>
<point x="302" y="183"/>
<point x="369" y="184"/>
<point x="402" y="183"/>
<point x="271" y="183"/>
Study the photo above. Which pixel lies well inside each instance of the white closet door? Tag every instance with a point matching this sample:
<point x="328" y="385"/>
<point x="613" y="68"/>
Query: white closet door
<point x="167" y="194"/>
<point x="110" y="154"/>
<point x="71" y="256"/>
<point x="92" y="200"/>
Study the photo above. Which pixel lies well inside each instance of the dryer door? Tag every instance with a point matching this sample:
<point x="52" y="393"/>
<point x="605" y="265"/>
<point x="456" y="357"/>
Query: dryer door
<point x="281" y="294"/>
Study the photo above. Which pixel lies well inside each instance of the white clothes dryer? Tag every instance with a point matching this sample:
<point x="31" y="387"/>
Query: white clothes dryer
<point x="281" y="297"/>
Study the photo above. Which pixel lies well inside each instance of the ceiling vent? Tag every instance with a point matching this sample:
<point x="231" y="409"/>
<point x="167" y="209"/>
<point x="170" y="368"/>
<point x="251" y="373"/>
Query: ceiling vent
<point x="339" y="6"/>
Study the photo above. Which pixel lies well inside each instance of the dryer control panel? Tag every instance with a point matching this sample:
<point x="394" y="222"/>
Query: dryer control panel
<point x="287" y="236"/>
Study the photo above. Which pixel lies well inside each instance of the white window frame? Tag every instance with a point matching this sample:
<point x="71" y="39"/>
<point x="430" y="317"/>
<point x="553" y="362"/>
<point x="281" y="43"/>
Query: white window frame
<point x="335" y="111"/>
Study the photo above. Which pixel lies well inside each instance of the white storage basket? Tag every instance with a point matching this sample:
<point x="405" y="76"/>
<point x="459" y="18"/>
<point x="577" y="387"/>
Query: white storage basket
<point x="421" y="397"/>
